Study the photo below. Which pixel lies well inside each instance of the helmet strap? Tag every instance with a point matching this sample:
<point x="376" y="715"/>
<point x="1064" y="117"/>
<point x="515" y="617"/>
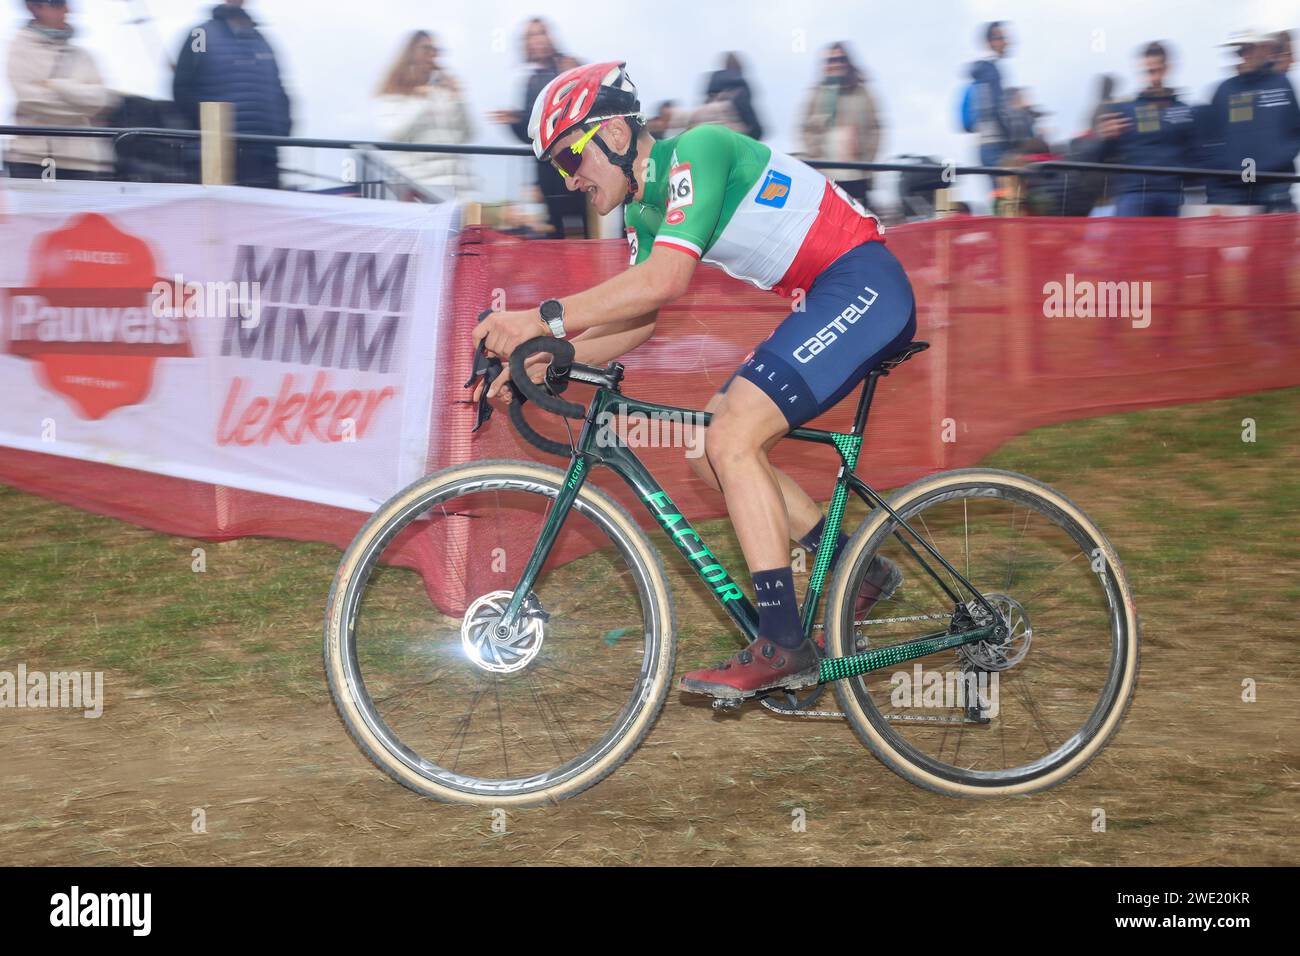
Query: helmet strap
<point x="626" y="159"/>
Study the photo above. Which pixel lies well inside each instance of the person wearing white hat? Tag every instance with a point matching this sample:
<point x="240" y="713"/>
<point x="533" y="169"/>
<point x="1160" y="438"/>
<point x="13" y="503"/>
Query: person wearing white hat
<point x="1253" y="123"/>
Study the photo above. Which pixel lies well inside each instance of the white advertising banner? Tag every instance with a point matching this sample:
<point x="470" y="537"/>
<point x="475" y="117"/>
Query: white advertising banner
<point x="272" y="341"/>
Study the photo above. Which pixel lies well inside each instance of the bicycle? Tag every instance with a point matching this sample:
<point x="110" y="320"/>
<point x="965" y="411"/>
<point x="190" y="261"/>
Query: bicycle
<point x="586" y="683"/>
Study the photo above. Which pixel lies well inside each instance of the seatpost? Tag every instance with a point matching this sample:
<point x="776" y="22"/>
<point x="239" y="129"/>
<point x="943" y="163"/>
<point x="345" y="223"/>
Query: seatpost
<point x="864" y="404"/>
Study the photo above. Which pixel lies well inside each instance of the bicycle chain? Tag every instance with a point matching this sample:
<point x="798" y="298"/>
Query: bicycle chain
<point x="801" y="713"/>
<point x="894" y="620"/>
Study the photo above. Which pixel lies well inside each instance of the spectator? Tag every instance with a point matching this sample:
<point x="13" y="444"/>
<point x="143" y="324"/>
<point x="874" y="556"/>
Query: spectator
<point x="1283" y="56"/>
<point x="990" y="98"/>
<point x="1022" y="117"/>
<point x="841" y="121"/>
<point x="1155" y="128"/>
<point x="523" y="221"/>
<point x="56" y="84"/>
<point x="1087" y="192"/>
<point x="543" y="63"/>
<point x="418" y="102"/>
<point x="719" y="111"/>
<point x="1283" y="52"/>
<point x="728" y="88"/>
<point x="666" y="122"/>
<point x="1107" y="90"/>
<point x="227" y="60"/>
<point x="1040" y="193"/>
<point x="1253" y="121"/>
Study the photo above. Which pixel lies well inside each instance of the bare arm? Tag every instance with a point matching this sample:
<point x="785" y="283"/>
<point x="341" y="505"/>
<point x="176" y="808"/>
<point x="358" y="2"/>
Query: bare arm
<point x="640" y="290"/>
<point x="596" y="346"/>
<point x="604" y="343"/>
<point x="631" y="295"/>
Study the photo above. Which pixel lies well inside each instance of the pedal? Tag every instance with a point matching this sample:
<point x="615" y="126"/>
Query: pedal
<point x="727" y="704"/>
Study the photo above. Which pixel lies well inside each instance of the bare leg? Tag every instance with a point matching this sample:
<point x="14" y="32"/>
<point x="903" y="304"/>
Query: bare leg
<point x="738" y="441"/>
<point x="802" y="512"/>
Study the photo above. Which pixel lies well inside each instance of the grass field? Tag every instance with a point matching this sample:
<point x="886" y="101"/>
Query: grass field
<point x="215" y="699"/>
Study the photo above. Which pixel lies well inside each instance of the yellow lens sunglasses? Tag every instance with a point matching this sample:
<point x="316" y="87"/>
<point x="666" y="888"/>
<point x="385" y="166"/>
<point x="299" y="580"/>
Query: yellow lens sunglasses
<point x="567" y="161"/>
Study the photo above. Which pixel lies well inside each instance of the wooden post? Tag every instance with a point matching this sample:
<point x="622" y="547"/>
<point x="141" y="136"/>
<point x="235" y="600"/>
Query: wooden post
<point x="218" y="168"/>
<point x="942" y="202"/>
<point x="216" y="120"/>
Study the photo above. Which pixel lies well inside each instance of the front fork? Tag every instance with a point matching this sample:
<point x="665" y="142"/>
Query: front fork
<point x="573" y="481"/>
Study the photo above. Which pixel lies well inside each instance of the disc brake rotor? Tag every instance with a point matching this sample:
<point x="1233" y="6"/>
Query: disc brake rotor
<point x="1011" y="650"/>
<point x="496" y="653"/>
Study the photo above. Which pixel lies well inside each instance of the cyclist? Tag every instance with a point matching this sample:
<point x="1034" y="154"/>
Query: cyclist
<point x="714" y="195"/>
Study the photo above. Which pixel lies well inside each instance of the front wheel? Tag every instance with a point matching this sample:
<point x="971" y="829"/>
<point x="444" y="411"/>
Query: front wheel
<point x="1011" y="715"/>
<point x="453" y="710"/>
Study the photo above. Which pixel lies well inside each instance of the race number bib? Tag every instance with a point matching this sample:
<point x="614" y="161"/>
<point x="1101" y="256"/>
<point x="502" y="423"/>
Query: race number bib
<point x="681" y="189"/>
<point x="631" y="242"/>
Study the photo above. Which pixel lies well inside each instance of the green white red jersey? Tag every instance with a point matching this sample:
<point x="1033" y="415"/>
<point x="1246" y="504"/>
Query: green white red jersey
<point x="737" y="204"/>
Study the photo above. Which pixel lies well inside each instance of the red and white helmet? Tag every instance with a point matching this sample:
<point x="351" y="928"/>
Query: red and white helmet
<point x="582" y="95"/>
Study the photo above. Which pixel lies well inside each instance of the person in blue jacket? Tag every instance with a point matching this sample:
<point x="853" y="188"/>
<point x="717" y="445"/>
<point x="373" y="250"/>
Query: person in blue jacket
<point x="228" y="60"/>
<point x="1155" y="128"/>
<point x="991" y="98"/>
<point x="1253" y="121"/>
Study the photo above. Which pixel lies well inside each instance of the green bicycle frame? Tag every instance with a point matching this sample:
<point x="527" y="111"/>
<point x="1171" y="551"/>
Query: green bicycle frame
<point x="599" y="444"/>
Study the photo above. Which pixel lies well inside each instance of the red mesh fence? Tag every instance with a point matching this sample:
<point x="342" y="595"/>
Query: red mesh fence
<point x="1003" y="302"/>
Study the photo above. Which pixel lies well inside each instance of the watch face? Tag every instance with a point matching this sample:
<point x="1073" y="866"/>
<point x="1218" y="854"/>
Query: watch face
<point x="551" y="309"/>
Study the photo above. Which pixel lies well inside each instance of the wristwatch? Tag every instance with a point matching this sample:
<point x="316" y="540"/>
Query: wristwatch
<point x="553" y="315"/>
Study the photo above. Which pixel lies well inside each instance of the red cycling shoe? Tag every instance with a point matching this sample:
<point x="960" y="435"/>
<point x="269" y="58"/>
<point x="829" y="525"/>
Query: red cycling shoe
<point x="881" y="581"/>
<point x="763" y="665"/>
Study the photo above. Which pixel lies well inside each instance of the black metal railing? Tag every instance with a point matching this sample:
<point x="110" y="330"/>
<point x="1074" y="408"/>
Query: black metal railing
<point x="119" y="136"/>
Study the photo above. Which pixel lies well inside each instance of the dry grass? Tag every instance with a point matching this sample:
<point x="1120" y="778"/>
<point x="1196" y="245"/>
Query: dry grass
<point x="216" y="701"/>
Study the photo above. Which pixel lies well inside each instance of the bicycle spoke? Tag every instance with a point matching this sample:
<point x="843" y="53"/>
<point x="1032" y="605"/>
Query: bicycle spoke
<point x="955" y="586"/>
<point x="548" y="719"/>
<point x="965" y="520"/>
<point x="1011" y="560"/>
<point x="1044" y="678"/>
<point x="501" y="726"/>
<point x="495" y="711"/>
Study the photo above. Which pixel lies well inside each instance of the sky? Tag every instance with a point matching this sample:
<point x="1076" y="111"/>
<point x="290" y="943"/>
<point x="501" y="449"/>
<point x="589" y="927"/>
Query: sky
<point x="332" y="54"/>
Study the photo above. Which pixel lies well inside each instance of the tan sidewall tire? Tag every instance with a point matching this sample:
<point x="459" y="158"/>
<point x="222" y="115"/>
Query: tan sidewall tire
<point x="652" y="701"/>
<point x="857" y="715"/>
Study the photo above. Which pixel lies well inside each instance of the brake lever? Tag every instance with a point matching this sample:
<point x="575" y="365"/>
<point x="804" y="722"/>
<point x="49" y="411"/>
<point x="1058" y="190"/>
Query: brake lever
<point x="482" y="365"/>
<point x="489" y="369"/>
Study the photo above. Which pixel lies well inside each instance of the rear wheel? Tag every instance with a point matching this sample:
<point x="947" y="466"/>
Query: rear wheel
<point x="449" y="708"/>
<point x="1008" y="716"/>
